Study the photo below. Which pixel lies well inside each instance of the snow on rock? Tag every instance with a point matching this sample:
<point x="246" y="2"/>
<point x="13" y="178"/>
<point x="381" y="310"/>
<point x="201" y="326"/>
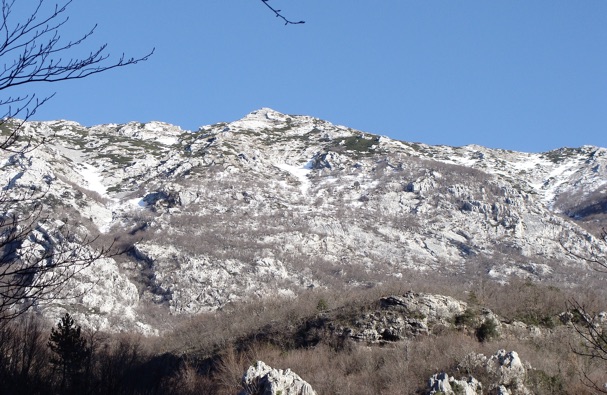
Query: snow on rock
<point x="92" y="177"/>
<point x="160" y="132"/>
<point x="274" y="203"/>
<point x="260" y="119"/>
<point x="300" y="173"/>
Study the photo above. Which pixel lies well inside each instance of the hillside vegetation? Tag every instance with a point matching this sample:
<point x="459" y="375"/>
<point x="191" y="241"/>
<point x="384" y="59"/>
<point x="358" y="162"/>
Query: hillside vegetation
<point x="310" y="246"/>
<point x="330" y="340"/>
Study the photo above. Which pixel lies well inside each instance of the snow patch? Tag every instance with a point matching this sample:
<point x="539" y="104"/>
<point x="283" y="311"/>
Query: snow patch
<point x="136" y="202"/>
<point x="301" y="173"/>
<point x="559" y="176"/>
<point x="167" y="140"/>
<point x="93" y="178"/>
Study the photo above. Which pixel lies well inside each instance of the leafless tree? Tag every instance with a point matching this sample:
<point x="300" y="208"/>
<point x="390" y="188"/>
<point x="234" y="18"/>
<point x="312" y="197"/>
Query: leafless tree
<point x="34" y="262"/>
<point x="35" y="265"/>
<point x="587" y="323"/>
<point x="32" y="50"/>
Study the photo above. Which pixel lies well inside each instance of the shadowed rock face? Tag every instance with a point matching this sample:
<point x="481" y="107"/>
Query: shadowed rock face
<point x="592" y="209"/>
<point x="274" y="204"/>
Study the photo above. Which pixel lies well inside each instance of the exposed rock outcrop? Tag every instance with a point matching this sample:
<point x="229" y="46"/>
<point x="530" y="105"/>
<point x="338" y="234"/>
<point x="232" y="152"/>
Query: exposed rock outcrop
<point x="275" y="204"/>
<point x="261" y="379"/>
<point x="503" y="372"/>
<point x="442" y="383"/>
<point x="163" y="199"/>
<point x="404" y="316"/>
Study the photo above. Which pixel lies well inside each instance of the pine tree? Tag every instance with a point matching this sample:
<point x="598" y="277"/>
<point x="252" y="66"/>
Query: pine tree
<point x="71" y="352"/>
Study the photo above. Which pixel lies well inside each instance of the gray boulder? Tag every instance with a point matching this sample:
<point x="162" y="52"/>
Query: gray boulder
<point x="402" y="317"/>
<point x="261" y="379"/>
<point x="506" y="370"/>
<point x="442" y="383"/>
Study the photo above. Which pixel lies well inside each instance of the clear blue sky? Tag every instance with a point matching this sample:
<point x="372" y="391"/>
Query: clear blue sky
<point x="527" y="75"/>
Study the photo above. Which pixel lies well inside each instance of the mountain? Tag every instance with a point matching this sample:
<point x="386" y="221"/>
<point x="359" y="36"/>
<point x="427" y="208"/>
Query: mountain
<point x="273" y="204"/>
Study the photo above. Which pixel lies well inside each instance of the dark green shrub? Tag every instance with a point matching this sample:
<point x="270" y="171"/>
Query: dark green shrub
<point x="468" y="318"/>
<point x="487" y="330"/>
<point x="322" y="305"/>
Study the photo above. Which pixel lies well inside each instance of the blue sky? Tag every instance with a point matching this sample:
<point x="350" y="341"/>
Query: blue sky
<point x="526" y="75"/>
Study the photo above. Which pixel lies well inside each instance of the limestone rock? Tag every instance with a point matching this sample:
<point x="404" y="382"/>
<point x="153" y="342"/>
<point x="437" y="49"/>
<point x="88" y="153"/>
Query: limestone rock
<point x="163" y="199"/>
<point x="434" y="308"/>
<point x="444" y="384"/>
<point x="261" y="379"/>
<point x="273" y="203"/>
<point x="506" y="369"/>
<point x="404" y="316"/>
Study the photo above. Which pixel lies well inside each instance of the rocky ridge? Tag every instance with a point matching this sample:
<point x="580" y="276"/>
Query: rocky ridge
<point x="276" y="204"/>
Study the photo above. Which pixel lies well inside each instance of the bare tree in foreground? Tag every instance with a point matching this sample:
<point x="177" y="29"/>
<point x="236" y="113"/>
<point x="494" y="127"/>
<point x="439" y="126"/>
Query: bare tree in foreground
<point x="35" y="264"/>
<point x="32" y="50"/>
<point x="591" y="328"/>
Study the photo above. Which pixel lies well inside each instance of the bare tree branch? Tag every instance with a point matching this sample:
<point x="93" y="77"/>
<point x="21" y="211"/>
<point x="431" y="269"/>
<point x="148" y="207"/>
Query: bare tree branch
<point x="37" y="260"/>
<point x="35" y="263"/>
<point x="33" y="50"/>
<point x="592" y="256"/>
<point x="590" y="326"/>
<point x="279" y="15"/>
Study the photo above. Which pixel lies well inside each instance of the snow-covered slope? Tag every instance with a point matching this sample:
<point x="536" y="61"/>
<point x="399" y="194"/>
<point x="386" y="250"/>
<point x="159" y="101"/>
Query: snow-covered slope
<point x="275" y="204"/>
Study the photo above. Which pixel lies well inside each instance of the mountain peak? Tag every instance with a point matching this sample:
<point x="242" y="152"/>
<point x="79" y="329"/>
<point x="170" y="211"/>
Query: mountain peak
<point x="261" y="119"/>
<point x="266" y="112"/>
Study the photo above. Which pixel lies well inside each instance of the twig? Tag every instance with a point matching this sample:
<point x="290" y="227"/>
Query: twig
<point x="279" y="15"/>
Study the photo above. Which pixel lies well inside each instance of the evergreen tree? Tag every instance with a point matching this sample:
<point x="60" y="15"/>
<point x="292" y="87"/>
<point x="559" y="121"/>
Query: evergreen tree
<point x="71" y="352"/>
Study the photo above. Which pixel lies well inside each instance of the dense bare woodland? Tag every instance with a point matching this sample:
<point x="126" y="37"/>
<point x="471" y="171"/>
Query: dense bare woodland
<point x="210" y="352"/>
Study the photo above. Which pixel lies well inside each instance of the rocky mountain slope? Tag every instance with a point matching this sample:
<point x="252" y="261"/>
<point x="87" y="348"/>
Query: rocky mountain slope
<point x="274" y="204"/>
